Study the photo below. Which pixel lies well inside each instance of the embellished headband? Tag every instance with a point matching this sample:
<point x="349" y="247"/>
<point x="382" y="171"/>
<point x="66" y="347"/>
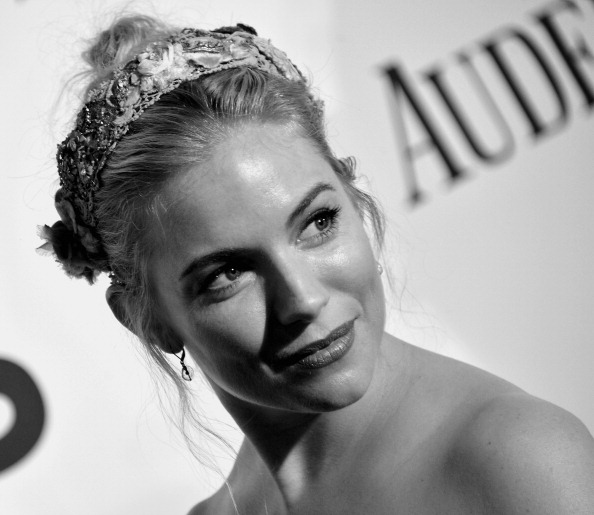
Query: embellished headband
<point x="117" y="102"/>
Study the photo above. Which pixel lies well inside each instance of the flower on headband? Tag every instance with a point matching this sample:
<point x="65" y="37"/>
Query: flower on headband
<point x="238" y="50"/>
<point x="130" y="103"/>
<point x="205" y="59"/>
<point x="147" y="84"/>
<point x="133" y="96"/>
<point x="66" y="212"/>
<point x="125" y="117"/>
<point x="153" y="63"/>
<point x="158" y="69"/>
<point x="73" y="244"/>
<point x="279" y="58"/>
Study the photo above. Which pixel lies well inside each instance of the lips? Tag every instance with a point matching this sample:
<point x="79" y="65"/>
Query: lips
<point x="320" y="353"/>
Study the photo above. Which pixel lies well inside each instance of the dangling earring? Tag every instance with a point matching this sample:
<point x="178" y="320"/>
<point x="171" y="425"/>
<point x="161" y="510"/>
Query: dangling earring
<point x="380" y="268"/>
<point x="186" y="371"/>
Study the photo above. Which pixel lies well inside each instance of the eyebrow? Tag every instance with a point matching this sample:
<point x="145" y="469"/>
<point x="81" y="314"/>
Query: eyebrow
<point x="219" y="256"/>
<point x="228" y="254"/>
<point x="308" y="199"/>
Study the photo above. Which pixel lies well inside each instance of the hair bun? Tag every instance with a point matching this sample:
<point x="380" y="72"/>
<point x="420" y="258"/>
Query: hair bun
<point x="119" y="43"/>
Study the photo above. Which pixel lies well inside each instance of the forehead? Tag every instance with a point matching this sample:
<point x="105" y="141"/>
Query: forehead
<point x="252" y="178"/>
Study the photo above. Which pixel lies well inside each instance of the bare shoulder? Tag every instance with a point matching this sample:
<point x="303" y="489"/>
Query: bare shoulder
<point x="216" y="504"/>
<point x="200" y="509"/>
<point x="511" y="452"/>
<point x="526" y="455"/>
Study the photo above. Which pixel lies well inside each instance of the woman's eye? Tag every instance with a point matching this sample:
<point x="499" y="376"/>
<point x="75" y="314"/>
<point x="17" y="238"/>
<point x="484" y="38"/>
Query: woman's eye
<point x="322" y="222"/>
<point x="224" y="279"/>
<point x="320" y="225"/>
<point x="221" y="284"/>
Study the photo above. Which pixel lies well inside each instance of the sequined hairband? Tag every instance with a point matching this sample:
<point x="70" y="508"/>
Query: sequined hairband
<point x="117" y="102"/>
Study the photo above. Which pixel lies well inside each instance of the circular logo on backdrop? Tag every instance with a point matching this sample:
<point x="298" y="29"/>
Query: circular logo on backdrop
<point x="29" y="417"/>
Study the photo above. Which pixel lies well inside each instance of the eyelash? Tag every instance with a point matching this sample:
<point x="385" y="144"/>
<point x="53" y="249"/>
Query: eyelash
<point x="215" y="275"/>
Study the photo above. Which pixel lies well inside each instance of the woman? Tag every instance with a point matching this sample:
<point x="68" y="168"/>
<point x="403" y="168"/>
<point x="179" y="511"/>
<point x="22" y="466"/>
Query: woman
<point x="198" y="176"/>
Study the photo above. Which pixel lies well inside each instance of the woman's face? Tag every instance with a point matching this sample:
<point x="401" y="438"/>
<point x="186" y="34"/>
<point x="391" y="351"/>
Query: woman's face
<point x="266" y="274"/>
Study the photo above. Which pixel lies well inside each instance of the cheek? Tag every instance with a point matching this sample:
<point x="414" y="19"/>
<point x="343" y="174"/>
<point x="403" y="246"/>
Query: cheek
<point x="230" y="334"/>
<point x="354" y="262"/>
<point x="354" y="271"/>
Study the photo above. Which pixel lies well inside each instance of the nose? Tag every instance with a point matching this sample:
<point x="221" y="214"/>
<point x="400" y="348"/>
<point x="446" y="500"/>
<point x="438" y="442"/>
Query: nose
<point x="298" y="293"/>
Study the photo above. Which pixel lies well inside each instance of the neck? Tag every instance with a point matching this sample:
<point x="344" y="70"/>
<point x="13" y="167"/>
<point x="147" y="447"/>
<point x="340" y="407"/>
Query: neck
<point x="301" y="449"/>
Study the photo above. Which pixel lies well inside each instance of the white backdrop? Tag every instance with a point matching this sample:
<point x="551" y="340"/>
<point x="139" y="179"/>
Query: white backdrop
<point x="494" y="269"/>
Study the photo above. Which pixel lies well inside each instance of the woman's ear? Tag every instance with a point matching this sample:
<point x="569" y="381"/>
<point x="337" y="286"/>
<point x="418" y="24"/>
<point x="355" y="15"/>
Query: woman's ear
<point x="161" y="334"/>
<point x="116" y="301"/>
<point x="166" y="338"/>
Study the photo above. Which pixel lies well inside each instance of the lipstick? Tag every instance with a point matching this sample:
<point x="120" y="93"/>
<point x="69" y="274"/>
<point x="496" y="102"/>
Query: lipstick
<point x="322" y="353"/>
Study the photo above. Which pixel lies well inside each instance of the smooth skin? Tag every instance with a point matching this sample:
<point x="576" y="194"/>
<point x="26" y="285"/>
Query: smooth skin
<point x="264" y="252"/>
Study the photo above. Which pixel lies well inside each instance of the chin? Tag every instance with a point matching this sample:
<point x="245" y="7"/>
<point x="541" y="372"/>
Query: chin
<point x="331" y="392"/>
<point x="325" y="405"/>
<point x="338" y="386"/>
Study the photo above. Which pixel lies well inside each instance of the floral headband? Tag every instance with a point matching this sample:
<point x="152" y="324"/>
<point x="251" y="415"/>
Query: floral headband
<point x="116" y="103"/>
